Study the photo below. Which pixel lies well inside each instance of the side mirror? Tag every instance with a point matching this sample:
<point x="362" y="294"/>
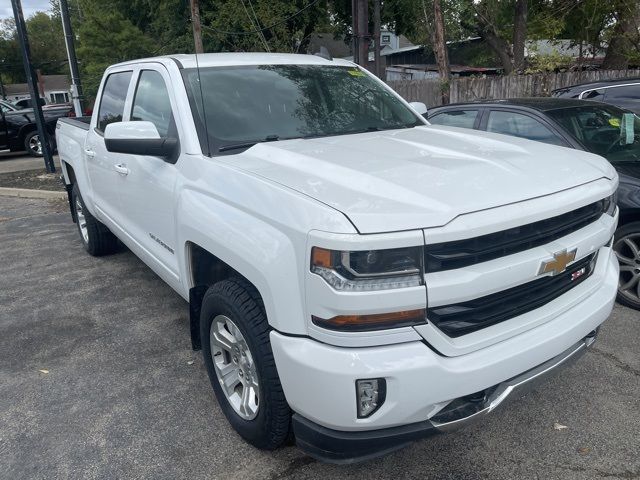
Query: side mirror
<point x="419" y="107"/>
<point x="139" y="138"/>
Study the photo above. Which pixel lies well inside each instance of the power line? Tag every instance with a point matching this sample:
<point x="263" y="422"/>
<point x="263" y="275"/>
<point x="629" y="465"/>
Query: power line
<point x="252" y="32"/>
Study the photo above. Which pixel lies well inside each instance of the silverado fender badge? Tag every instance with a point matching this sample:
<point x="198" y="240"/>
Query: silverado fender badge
<point x="559" y="263"/>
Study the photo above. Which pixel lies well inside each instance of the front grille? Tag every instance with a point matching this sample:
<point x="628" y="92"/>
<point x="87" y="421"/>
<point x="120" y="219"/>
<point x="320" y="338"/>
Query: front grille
<point x="463" y="318"/>
<point x="462" y="253"/>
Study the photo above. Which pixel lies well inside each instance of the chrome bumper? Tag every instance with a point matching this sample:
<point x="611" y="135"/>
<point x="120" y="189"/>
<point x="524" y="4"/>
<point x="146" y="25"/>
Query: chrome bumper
<point x="461" y="412"/>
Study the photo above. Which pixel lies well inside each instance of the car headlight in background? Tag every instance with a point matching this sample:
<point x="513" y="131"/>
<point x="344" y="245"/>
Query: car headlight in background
<point x="368" y="269"/>
<point x="610" y="204"/>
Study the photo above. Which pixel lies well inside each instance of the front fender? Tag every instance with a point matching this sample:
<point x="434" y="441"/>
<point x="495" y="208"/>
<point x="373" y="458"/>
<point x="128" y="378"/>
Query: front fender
<point x="264" y="254"/>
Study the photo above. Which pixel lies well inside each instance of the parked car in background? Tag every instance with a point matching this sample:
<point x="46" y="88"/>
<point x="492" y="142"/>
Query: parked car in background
<point x="18" y="129"/>
<point x="606" y="130"/>
<point x="60" y="109"/>
<point x="622" y="92"/>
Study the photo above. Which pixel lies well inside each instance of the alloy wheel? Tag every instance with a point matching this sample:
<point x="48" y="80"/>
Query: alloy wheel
<point x="35" y="144"/>
<point x="234" y="366"/>
<point x="627" y="250"/>
<point x="82" y="221"/>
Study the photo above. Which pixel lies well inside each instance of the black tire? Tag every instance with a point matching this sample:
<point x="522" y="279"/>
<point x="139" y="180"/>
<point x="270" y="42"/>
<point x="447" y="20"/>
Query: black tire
<point x="629" y="298"/>
<point x="31" y="149"/>
<point x="100" y="241"/>
<point x="238" y="300"/>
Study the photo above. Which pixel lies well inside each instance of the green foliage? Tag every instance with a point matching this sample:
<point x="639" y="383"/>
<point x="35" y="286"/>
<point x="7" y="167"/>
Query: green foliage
<point x="550" y="62"/>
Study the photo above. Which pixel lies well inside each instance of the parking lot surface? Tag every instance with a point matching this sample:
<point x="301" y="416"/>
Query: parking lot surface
<point x="96" y="381"/>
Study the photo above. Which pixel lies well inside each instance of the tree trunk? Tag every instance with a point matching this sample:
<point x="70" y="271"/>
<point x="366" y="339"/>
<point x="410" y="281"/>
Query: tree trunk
<point x="519" y="34"/>
<point x="625" y="34"/>
<point x="440" y="50"/>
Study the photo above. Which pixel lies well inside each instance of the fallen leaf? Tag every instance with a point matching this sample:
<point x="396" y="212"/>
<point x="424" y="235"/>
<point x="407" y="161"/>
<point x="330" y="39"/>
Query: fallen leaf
<point x="44" y="371"/>
<point x="584" y="450"/>
<point x="190" y="362"/>
<point x="559" y="426"/>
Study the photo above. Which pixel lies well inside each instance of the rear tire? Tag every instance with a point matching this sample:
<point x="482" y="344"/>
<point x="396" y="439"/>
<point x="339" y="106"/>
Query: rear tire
<point x="237" y="352"/>
<point x="95" y="237"/>
<point x="33" y="146"/>
<point x="627" y="247"/>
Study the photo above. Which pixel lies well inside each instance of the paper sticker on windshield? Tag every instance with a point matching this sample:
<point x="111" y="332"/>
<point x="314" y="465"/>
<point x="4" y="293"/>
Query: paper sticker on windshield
<point x="356" y="73"/>
<point x="614" y="122"/>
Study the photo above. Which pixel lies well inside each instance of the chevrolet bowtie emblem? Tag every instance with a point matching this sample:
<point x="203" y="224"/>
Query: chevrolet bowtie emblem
<point x="559" y="263"/>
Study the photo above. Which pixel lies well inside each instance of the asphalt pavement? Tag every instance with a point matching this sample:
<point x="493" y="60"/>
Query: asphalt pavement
<point x="21" y="161"/>
<point x="97" y="382"/>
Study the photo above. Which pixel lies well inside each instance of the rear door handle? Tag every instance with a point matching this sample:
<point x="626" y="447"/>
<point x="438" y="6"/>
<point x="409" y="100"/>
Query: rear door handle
<point x="121" y="169"/>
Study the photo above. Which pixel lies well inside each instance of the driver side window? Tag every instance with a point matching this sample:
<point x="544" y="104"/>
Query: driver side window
<point x="151" y="103"/>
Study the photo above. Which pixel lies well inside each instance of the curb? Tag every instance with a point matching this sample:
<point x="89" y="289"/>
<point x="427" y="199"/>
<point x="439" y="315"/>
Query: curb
<point x="30" y="193"/>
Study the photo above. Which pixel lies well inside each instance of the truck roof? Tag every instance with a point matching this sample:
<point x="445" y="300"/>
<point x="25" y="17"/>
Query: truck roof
<point x="237" y="59"/>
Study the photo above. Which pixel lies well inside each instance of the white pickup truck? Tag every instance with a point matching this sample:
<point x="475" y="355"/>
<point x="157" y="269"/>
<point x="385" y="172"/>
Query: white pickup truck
<point x="356" y="277"/>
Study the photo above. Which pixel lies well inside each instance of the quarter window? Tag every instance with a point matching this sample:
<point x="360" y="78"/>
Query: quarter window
<point x="114" y="94"/>
<point x="456" y="118"/>
<point x="518" y="125"/>
<point x="626" y="92"/>
<point x="151" y="102"/>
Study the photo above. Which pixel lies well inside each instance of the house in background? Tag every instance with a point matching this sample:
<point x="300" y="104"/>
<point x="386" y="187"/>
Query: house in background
<point x="53" y="88"/>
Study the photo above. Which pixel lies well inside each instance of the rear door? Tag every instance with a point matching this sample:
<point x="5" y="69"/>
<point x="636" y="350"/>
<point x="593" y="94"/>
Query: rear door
<point x="100" y="163"/>
<point x="4" y="142"/>
<point x="147" y="187"/>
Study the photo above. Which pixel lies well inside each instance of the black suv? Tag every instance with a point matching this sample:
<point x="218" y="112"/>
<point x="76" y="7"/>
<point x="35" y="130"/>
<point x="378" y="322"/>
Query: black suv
<point x="622" y="92"/>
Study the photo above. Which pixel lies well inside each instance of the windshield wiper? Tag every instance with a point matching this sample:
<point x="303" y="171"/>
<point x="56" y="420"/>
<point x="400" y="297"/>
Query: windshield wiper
<point x="236" y="146"/>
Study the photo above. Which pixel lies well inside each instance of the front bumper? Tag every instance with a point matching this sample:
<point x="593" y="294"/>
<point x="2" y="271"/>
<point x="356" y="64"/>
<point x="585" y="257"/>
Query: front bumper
<point x="319" y="379"/>
<point x="348" y="447"/>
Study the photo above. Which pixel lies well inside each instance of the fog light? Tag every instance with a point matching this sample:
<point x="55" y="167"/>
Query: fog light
<point x="370" y="395"/>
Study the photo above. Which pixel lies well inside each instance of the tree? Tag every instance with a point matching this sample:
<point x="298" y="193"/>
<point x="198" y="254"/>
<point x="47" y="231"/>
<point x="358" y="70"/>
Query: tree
<point x="625" y="38"/>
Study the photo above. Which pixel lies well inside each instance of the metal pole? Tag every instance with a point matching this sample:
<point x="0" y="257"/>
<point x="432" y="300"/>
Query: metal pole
<point x="195" y="21"/>
<point x="31" y="81"/>
<point x="76" y="86"/>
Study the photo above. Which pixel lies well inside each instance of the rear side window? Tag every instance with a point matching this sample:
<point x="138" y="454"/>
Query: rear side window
<point x="455" y="118"/>
<point x="518" y="125"/>
<point x="626" y="92"/>
<point x="113" y="96"/>
<point x="151" y="103"/>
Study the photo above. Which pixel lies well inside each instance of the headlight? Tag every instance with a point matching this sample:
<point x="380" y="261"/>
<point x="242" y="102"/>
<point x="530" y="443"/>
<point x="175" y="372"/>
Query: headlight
<point x="610" y="204"/>
<point x="369" y="269"/>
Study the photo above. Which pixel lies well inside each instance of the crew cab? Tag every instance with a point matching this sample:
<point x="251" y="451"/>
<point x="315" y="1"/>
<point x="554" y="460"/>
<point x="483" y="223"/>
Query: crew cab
<point x="355" y="276"/>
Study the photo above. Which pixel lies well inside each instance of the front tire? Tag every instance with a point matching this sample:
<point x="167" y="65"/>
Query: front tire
<point x="237" y="353"/>
<point x="95" y="237"/>
<point x="627" y="247"/>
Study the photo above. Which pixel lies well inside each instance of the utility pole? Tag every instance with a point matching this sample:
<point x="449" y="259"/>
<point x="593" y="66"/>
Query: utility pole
<point x="21" y="30"/>
<point x="360" y="12"/>
<point x="4" y="95"/>
<point x="440" y="50"/>
<point x="195" y="22"/>
<point x="76" y="86"/>
<point x="379" y="71"/>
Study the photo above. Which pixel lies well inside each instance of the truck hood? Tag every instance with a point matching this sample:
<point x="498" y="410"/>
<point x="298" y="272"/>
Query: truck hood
<point x="421" y="177"/>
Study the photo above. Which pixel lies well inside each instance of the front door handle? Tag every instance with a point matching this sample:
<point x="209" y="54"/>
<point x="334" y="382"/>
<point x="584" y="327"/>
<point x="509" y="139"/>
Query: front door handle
<point x="89" y="153"/>
<point x="121" y="169"/>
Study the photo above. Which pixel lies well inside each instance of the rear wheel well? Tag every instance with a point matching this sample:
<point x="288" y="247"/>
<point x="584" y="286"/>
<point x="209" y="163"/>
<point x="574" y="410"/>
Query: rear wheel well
<point x="206" y="270"/>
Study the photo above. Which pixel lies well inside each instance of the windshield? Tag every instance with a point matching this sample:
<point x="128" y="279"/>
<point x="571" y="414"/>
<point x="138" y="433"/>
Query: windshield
<point x="603" y="129"/>
<point x="241" y="106"/>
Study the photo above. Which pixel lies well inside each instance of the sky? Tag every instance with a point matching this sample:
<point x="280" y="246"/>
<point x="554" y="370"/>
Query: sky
<point x="29" y="7"/>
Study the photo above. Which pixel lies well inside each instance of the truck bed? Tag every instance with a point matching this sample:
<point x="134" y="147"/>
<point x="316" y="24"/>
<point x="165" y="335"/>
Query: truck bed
<point x="81" y="122"/>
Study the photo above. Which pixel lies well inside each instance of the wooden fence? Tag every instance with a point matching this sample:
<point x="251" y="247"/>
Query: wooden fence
<point x="504" y="86"/>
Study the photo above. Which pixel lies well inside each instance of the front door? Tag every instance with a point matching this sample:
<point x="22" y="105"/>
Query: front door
<point x="147" y="189"/>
